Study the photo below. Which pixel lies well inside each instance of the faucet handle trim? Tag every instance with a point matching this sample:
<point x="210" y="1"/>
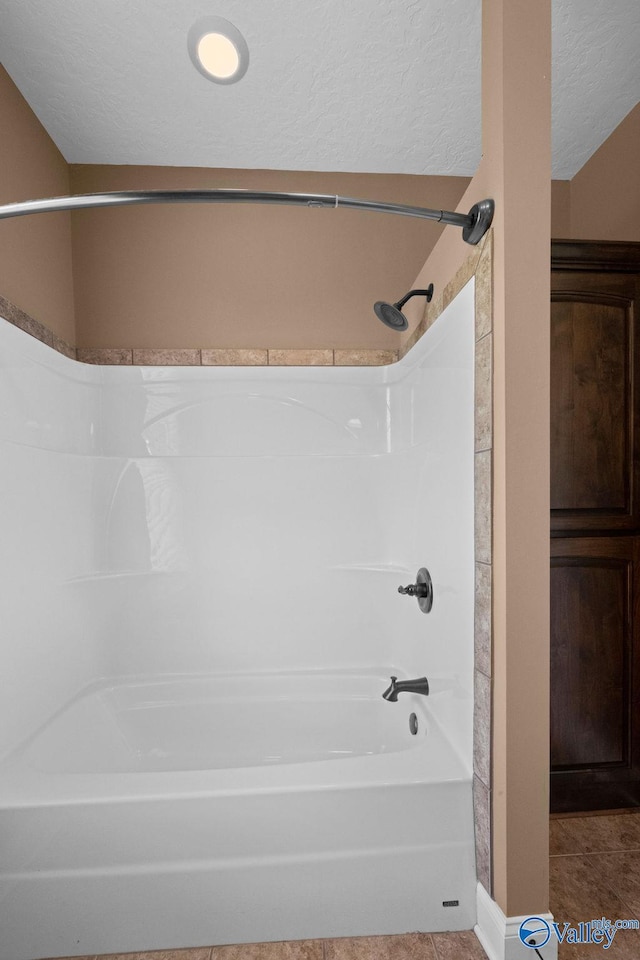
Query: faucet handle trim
<point x="422" y="590"/>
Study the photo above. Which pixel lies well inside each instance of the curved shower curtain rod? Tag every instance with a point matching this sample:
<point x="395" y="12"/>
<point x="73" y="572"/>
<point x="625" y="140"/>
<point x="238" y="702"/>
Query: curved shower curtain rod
<point x="474" y="224"/>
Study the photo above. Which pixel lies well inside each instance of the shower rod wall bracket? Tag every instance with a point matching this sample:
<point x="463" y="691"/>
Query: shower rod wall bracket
<point x="474" y="224"/>
<point x="482" y="217"/>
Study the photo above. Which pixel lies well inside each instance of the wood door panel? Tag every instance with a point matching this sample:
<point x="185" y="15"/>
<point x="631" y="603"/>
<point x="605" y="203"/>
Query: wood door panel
<point x="589" y="655"/>
<point x="592" y="467"/>
<point x="595" y="399"/>
<point x="595" y="675"/>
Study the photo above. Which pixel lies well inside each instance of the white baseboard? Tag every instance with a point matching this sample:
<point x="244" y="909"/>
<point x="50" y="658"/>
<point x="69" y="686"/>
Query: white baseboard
<point x="498" y="934"/>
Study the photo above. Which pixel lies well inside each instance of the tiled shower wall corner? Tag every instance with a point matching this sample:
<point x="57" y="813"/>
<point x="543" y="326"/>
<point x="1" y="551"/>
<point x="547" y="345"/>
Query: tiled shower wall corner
<point x="480" y="266"/>
<point x="483" y="556"/>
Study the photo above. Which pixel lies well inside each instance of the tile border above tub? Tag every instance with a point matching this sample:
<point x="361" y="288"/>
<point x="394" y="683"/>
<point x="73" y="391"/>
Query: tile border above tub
<point x="238" y="357"/>
<point x="197" y="356"/>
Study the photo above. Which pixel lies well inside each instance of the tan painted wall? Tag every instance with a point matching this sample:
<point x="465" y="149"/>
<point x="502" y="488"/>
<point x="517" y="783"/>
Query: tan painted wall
<point x="560" y="208"/>
<point x="605" y="193"/>
<point x="246" y="276"/>
<point x="515" y="98"/>
<point x="35" y="252"/>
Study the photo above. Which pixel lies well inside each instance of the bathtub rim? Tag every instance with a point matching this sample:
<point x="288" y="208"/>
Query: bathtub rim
<point x="433" y="759"/>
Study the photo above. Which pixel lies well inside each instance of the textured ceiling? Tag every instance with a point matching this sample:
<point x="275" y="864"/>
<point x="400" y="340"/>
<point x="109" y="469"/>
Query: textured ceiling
<point x="595" y="76"/>
<point x="391" y="86"/>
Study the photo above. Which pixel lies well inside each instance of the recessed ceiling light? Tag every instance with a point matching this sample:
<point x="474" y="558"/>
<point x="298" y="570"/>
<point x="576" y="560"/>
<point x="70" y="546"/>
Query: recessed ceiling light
<point x="218" y="50"/>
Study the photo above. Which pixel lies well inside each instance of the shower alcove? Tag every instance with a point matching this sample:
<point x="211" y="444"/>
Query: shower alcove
<point x="200" y="611"/>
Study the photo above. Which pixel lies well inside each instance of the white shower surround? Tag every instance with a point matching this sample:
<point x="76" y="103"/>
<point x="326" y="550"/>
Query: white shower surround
<point x="192" y="551"/>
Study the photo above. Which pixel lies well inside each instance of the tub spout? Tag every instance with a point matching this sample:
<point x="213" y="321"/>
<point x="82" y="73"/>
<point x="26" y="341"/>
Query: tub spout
<point x="420" y="685"/>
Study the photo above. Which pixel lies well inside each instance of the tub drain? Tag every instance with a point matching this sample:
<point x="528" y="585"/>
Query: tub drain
<point x="413" y="724"/>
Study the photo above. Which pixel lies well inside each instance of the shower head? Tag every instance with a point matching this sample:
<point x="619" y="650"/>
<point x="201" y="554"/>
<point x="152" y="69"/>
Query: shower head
<point x="391" y="313"/>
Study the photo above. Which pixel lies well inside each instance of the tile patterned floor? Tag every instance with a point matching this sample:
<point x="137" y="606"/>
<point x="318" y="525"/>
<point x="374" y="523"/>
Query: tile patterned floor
<point x="409" y="946"/>
<point x="595" y="872"/>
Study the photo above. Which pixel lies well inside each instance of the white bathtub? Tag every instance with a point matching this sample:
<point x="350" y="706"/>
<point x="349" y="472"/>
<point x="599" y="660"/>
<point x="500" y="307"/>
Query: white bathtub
<point x="225" y="547"/>
<point x="191" y="811"/>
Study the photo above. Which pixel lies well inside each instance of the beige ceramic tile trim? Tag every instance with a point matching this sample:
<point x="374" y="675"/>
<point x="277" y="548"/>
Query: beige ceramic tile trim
<point x="482" y="826"/>
<point x="195" y="356"/>
<point x="339" y="357"/>
<point x="483" y="485"/>
<point x="484" y="393"/>
<point x="300" y="358"/>
<point x="238" y="357"/>
<point x="104" y="355"/>
<point x="481" y="729"/>
<point x="61" y="346"/>
<point x="482" y="618"/>
<point x="364" y="358"/>
<point x="20" y="319"/>
<point x="483" y="481"/>
<point x="484" y="289"/>
<point x="219" y="357"/>
<point x="166" y="358"/>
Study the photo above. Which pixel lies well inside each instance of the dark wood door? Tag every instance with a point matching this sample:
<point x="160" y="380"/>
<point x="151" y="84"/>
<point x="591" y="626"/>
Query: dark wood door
<point x="595" y="525"/>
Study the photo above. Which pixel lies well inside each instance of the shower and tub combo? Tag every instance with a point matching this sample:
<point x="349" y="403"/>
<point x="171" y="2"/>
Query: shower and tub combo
<point x="201" y="742"/>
